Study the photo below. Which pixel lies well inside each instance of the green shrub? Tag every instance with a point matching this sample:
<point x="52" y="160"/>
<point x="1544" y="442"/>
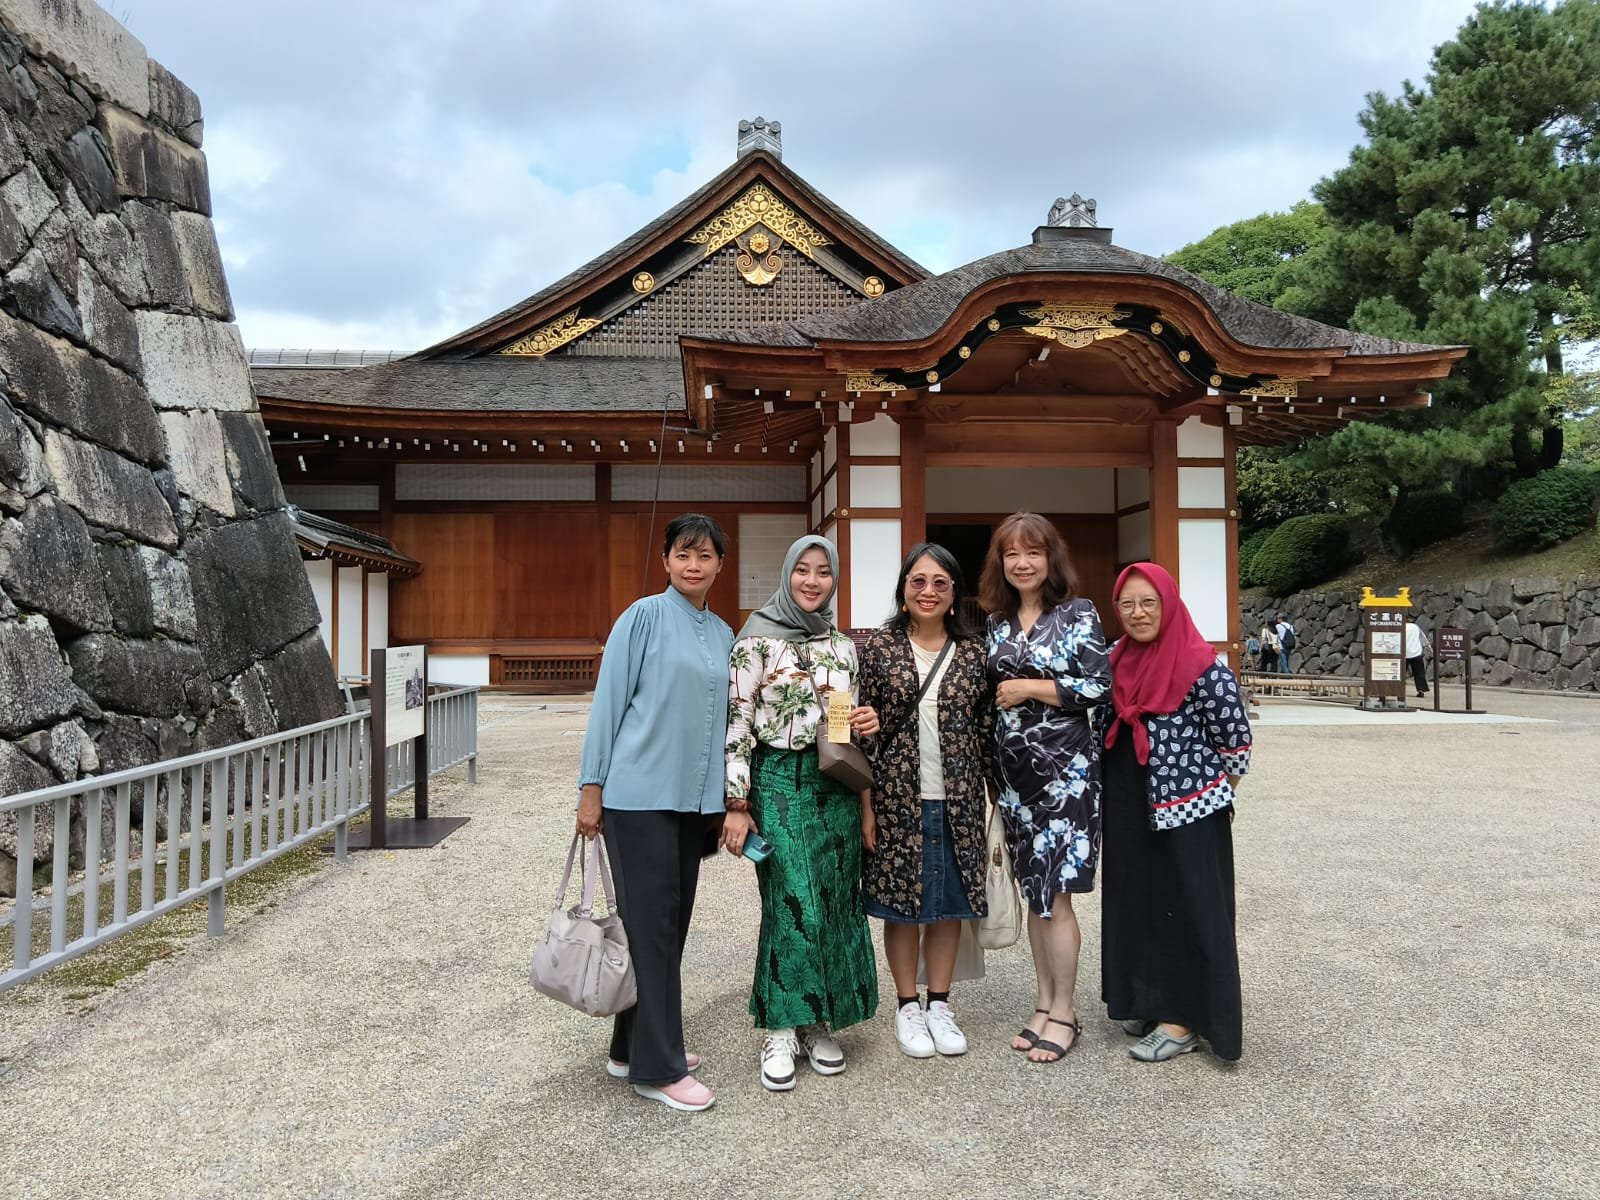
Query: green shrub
<point x="1422" y="518"/>
<point x="1247" y="554"/>
<point x="1301" y="551"/>
<point x="1549" y="508"/>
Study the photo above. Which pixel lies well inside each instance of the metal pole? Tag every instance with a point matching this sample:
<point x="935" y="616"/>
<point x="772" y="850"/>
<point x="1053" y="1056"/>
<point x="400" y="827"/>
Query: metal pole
<point x="378" y="830"/>
<point x="1466" y="671"/>
<point x="419" y="749"/>
<point x="1436" y="671"/>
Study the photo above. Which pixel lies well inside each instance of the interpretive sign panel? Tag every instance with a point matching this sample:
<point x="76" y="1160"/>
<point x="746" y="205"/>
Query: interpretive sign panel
<point x="404" y="695"/>
<point x="1384" y="619"/>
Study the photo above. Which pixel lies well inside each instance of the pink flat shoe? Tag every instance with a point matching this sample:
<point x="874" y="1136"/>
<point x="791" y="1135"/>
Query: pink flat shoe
<point x="620" y="1070"/>
<point x="687" y="1095"/>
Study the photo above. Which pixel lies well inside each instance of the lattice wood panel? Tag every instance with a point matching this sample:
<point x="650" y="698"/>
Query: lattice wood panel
<point x="713" y="297"/>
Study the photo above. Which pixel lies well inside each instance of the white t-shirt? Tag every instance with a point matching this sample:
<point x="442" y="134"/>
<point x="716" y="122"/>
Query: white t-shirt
<point x="932" y="774"/>
<point x="1415" y="641"/>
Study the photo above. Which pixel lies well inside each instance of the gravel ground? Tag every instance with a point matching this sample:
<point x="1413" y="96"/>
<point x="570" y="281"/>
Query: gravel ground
<point x="1418" y="913"/>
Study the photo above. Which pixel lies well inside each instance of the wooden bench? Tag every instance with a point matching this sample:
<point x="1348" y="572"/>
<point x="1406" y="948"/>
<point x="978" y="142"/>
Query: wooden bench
<point x="1306" y="687"/>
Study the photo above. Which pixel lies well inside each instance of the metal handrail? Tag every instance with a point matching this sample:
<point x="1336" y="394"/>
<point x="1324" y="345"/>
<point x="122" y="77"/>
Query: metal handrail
<point x="231" y="810"/>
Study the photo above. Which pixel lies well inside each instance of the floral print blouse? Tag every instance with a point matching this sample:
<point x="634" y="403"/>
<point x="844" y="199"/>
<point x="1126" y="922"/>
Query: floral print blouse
<point x="770" y="701"/>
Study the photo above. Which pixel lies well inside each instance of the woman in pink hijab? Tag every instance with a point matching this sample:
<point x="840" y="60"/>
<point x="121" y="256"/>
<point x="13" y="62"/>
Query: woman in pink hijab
<point x="1176" y="742"/>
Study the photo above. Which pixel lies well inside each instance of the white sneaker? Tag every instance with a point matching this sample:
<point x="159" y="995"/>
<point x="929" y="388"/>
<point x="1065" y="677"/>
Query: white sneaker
<point x="826" y="1055"/>
<point x="778" y="1049"/>
<point x="911" y="1031"/>
<point x="942" y="1028"/>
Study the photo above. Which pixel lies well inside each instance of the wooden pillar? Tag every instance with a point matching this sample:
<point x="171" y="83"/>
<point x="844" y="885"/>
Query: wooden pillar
<point x="841" y="533"/>
<point x="913" y="481"/>
<point x="1236" y="631"/>
<point x="1164" y="495"/>
<point x="608" y="546"/>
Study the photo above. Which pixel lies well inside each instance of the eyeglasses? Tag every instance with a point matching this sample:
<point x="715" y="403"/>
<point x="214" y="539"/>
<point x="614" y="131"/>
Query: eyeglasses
<point x="938" y="583"/>
<point x="1145" y="604"/>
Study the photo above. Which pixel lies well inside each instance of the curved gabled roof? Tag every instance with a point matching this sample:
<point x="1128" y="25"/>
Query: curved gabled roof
<point x="919" y="310"/>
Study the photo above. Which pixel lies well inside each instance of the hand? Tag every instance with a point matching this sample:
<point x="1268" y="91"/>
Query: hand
<point x="735" y="826"/>
<point x="590" y="810"/>
<point x="864" y="721"/>
<point x="869" y="826"/>
<point x="1012" y="692"/>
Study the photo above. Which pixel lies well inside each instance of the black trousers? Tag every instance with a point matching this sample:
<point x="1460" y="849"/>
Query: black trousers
<point x="655" y="860"/>
<point x="1419" y="673"/>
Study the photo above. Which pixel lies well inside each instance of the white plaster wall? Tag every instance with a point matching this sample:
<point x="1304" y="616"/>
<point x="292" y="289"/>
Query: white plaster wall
<point x="874" y="487"/>
<point x="1203" y="575"/>
<point x="1196" y="439"/>
<point x="1202" y="487"/>
<point x="320" y="572"/>
<point x="816" y="512"/>
<point x="347" y="655"/>
<point x="830" y="494"/>
<point x="878" y="436"/>
<point x="1133" y="486"/>
<point x="830" y="447"/>
<point x="1036" y="489"/>
<point x="377" y="611"/>
<point x="763" y="540"/>
<point x="874" y="567"/>
<point x="1133" y="537"/>
<point x="459" y="669"/>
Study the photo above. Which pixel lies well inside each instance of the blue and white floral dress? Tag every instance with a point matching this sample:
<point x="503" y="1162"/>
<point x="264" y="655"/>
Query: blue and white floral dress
<point x="1047" y="757"/>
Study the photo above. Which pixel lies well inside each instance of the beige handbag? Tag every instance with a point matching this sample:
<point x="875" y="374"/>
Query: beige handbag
<point x="583" y="960"/>
<point x="1003" y="925"/>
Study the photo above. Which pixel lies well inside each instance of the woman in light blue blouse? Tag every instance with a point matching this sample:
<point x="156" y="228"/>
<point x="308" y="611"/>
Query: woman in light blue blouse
<point x="652" y="775"/>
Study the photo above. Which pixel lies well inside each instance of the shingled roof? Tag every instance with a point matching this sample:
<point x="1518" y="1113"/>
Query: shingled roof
<point x="919" y="310"/>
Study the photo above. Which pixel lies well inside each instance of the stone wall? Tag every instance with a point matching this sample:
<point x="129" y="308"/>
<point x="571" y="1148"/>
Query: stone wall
<point x="1539" y="632"/>
<point x="152" y="600"/>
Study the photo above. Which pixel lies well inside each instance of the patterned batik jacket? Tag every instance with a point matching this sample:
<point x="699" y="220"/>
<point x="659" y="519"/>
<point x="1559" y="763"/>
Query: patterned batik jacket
<point x="770" y="701"/>
<point x="1193" y="750"/>
<point x="889" y="683"/>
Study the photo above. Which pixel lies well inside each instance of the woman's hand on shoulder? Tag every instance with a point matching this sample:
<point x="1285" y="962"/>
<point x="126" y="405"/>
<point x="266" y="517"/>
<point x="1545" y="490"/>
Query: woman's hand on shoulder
<point x="735" y="827"/>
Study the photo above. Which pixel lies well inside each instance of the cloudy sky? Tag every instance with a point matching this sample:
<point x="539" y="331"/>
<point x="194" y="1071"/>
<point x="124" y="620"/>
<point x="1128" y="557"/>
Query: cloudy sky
<point x="385" y="174"/>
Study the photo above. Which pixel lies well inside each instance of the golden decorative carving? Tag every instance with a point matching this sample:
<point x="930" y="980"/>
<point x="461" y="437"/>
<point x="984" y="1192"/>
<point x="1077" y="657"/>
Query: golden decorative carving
<point x="1156" y="327"/>
<point x="1184" y="356"/>
<point x="932" y="377"/>
<point x="965" y="352"/>
<point x="644" y="283"/>
<point x="994" y="325"/>
<point x="872" y="286"/>
<point x="867" y="381"/>
<point x="758" y="205"/>
<point x="758" y="271"/>
<point x="1075" y="325"/>
<point x="1215" y="381"/>
<point x="1285" y="388"/>
<point x="553" y="336"/>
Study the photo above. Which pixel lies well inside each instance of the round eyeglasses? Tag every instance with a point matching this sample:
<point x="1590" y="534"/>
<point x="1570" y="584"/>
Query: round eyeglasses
<point x="1145" y="604"/>
<point x="938" y="583"/>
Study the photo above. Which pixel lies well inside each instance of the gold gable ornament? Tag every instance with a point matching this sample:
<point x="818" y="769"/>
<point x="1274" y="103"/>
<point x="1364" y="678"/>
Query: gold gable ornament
<point x="867" y="381"/>
<point x="758" y="271"/>
<point x="566" y="328"/>
<point x="1286" y="388"/>
<point x="758" y="205"/>
<point x="1075" y="325"/>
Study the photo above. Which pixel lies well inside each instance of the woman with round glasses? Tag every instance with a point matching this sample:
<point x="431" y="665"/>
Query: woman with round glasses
<point x="1177" y="740"/>
<point x="1047" y="662"/>
<point x="926" y="676"/>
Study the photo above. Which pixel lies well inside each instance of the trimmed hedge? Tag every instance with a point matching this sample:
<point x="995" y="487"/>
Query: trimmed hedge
<point x="1247" y="554"/>
<point x="1422" y="518"/>
<point x="1549" y="508"/>
<point x="1302" y="551"/>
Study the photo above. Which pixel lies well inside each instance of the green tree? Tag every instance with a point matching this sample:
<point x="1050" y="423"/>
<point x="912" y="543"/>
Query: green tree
<point x="1471" y="216"/>
<point x="1256" y="258"/>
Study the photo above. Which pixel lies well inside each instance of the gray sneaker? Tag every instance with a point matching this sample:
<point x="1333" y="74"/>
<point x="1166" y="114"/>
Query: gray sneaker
<point x="826" y="1055"/>
<point x="1137" y="1027"/>
<point x="1158" y="1045"/>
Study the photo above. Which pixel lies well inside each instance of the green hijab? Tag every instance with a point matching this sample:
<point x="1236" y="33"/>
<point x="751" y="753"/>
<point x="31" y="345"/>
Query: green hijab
<point x="782" y="617"/>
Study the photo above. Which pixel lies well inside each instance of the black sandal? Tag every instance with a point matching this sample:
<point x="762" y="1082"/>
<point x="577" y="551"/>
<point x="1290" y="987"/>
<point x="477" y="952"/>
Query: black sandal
<point x="1055" y="1048"/>
<point x="1029" y="1035"/>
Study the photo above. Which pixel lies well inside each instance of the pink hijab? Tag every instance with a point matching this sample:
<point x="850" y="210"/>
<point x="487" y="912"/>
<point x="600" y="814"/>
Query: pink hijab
<point x="1154" y="677"/>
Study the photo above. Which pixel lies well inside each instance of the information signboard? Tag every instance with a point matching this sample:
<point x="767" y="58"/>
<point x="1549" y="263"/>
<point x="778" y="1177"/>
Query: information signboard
<point x="404" y="694"/>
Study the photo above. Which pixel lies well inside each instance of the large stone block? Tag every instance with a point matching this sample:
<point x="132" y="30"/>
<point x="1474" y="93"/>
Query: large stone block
<point x="199" y="458"/>
<point x="67" y="386"/>
<point x="155" y="241"/>
<point x="21" y="456"/>
<point x="1499" y="599"/>
<point x="29" y="198"/>
<point x="87" y="162"/>
<point x="202" y="264"/>
<point x="1499" y="674"/>
<point x="1582" y="676"/>
<point x="255" y="475"/>
<point x="39" y="298"/>
<point x="1481" y="625"/>
<point x="1555" y="638"/>
<point x="109" y="490"/>
<point x="300" y="685"/>
<point x="153" y="164"/>
<point x="174" y="104"/>
<point x="1549" y="611"/>
<point x="13" y="241"/>
<point x="190" y="362"/>
<point x="1509" y="627"/>
<point x="87" y="44"/>
<point x="132" y="676"/>
<point x="48" y="564"/>
<point x="34" y="687"/>
<point x="1493" y="646"/>
<point x="108" y="326"/>
<point x="250" y="591"/>
<point x="149" y="592"/>
<point x="1522" y="656"/>
<point x="1535" y="587"/>
<point x="106" y="242"/>
<point x="1588" y="633"/>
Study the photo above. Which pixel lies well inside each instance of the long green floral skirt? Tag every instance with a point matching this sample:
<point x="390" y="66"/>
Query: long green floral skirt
<point x="814" y="962"/>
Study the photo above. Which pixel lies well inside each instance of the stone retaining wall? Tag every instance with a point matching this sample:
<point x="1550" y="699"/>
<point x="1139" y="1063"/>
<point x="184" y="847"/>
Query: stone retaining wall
<point x="1537" y="632"/>
<point x="152" y="599"/>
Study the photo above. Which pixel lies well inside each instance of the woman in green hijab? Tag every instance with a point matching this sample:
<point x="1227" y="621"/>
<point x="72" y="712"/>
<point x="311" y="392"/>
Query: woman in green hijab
<point x="815" y="971"/>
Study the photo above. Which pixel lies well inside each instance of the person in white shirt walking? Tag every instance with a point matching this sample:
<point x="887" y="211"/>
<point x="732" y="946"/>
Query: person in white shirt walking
<point x="1417" y="645"/>
<point x="1285" y="634"/>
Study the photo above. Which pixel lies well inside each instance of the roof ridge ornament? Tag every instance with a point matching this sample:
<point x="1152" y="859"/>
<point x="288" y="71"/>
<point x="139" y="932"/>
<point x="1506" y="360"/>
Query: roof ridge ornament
<point x="1072" y="212"/>
<point x="760" y="134"/>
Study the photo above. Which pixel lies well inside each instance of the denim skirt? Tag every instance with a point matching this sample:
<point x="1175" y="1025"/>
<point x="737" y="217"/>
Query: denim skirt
<point x="943" y="897"/>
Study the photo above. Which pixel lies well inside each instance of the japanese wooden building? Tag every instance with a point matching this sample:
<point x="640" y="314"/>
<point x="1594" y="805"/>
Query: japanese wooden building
<point x="757" y="354"/>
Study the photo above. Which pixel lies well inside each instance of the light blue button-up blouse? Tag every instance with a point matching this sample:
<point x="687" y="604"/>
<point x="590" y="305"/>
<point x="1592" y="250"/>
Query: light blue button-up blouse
<point x="660" y="716"/>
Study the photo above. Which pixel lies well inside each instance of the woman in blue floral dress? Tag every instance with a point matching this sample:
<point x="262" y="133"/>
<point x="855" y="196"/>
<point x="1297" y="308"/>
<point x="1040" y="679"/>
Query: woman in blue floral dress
<point x="1048" y="662"/>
